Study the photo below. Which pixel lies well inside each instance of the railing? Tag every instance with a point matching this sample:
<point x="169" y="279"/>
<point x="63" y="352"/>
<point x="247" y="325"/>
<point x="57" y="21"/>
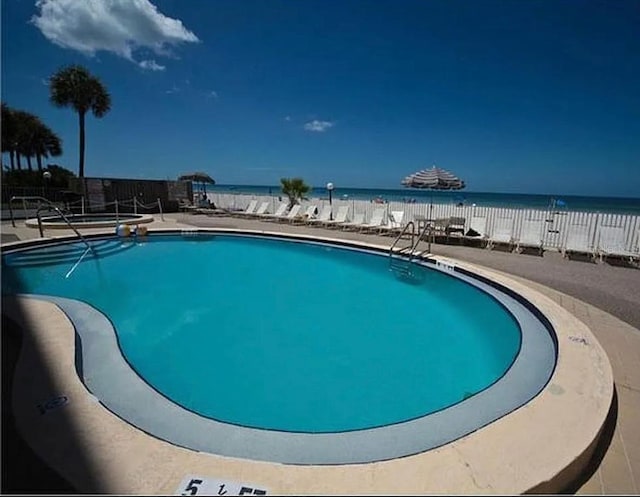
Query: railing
<point x="556" y="222"/>
<point x="49" y="206"/>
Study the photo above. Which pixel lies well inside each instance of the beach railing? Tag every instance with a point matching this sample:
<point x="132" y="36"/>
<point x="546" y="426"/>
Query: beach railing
<point x="556" y="223"/>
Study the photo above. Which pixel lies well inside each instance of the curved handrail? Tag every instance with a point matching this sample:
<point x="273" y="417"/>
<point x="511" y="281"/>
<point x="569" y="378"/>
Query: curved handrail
<point x="49" y="205"/>
<point x="399" y="237"/>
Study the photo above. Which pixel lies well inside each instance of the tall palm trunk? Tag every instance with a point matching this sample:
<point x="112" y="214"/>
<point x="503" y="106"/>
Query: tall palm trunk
<point x="39" y="159"/>
<point x="29" y="163"/>
<point x="81" y="122"/>
<point x="12" y="159"/>
<point x="18" y="161"/>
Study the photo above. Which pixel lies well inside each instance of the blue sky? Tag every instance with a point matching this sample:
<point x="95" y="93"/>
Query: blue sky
<point x="512" y="96"/>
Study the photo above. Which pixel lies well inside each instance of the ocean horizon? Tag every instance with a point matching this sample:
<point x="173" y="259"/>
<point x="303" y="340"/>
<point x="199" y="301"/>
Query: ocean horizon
<point x="616" y="205"/>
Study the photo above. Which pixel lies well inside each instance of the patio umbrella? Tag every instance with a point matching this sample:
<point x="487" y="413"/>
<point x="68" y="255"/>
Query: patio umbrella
<point x="433" y="179"/>
<point x="198" y="178"/>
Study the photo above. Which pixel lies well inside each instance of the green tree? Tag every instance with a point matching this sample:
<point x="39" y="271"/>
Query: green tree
<point x="295" y="189"/>
<point x="9" y="133"/>
<point x="24" y="134"/>
<point x="75" y="87"/>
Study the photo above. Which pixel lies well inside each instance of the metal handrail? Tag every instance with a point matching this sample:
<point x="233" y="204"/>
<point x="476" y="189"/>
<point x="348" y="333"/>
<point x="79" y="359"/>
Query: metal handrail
<point x="427" y="226"/>
<point x="50" y="206"/>
<point x="414" y="244"/>
<point x="399" y="237"/>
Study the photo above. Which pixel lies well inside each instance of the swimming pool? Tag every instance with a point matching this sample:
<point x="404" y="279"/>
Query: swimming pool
<point x="90" y="220"/>
<point x="305" y="349"/>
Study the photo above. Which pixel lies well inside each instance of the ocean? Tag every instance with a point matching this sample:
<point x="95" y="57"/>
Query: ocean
<point x="615" y="205"/>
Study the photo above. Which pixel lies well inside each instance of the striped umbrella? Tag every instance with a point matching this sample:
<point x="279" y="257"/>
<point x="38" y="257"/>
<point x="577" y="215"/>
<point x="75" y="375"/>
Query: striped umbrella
<point x="433" y="179"/>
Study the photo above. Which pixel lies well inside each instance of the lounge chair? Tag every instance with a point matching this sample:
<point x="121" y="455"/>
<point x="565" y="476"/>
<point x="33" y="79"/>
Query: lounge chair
<point x="324" y="216"/>
<point x="455" y="227"/>
<point x="250" y="210"/>
<point x="578" y="241"/>
<point x="611" y="244"/>
<point x="308" y="214"/>
<point x="261" y="210"/>
<point x="340" y="219"/>
<point x="502" y="232"/>
<point x="530" y="235"/>
<point x="293" y="214"/>
<point x="477" y="229"/>
<point x="375" y="222"/>
<point x="355" y="223"/>
<point x="394" y="223"/>
<point x="278" y="214"/>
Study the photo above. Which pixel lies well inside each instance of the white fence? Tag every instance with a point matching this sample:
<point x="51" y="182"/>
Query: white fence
<point x="554" y="235"/>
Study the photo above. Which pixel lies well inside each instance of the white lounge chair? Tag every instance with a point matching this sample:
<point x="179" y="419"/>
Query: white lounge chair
<point x="578" y="241"/>
<point x="355" y="223"/>
<point x="251" y="208"/>
<point x="340" y="219"/>
<point x="502" y="232"/>
<point x="375" y="222"/>
<point x="261" y="210"/>
<point x="477" y="229"/>
<point x="293" y="213"/>
<point x="531" y="233"/>
<point x="394" y="223"/>
<point x="278" y="214"/>
<point x="323" y="217"/>
<point x="611" y="243"/>
<point x="308" y="214"/>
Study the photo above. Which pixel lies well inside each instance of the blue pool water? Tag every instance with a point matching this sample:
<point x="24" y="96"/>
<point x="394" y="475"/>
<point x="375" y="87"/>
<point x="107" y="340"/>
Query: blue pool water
<point x="284" y="336"/>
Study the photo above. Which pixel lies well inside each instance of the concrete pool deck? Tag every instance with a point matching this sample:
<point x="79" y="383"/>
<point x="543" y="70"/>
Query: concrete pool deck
<point x="618" y="470"/>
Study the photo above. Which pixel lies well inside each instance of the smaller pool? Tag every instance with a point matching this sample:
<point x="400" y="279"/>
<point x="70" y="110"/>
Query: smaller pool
<point x="90" y="220"/>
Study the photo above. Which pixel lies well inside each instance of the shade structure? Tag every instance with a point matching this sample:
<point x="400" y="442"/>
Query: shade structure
<point x="433" y="179"/>
<point x="199" y="178"/>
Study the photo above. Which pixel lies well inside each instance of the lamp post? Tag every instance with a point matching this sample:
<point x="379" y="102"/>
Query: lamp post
<point x="330" y="189"/>
<point x="47" y="177"/>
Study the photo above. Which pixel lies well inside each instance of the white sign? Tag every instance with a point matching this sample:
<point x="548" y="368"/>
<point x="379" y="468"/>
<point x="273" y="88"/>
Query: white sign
<point x="198" y="485"/>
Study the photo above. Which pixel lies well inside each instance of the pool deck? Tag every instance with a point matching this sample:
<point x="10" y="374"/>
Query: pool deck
<point x="604" y="297"/>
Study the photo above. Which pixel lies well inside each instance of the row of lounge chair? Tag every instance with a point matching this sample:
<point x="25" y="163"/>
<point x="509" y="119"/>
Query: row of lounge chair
<point x="608" y="241"/>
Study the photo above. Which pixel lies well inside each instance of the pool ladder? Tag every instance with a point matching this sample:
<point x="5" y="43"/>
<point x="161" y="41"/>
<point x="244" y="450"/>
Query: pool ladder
<point x="400" y="259"/>
<point x="51" y="206"/>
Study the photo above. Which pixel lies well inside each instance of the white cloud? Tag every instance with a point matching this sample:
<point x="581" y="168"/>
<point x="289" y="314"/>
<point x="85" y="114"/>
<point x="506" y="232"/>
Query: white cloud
<point x="212" y="94"/>
<point x="117" y="26"/>
<point x="151" y="65"/>
<point x="173" y="89"/>
<point x="318" y="126"/>
<point x="287" y="118"/>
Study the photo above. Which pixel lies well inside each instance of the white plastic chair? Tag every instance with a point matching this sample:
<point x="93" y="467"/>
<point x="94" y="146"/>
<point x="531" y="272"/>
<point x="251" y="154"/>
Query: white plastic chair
<point x="250" y="210"/>
<point x="261" y="210"/>
<point x="394" y="223"/>
<point x="578" y="241"/>
<point x="611" y="243"/>
<point x="278" y="214"/>
<point x="295" y="210"/>
<point x="323" y="217"/>
<point x="502" y="232"/>
<point x="356" y="222"/>
<point x="375" y="222"/>
<point x="530" y="235"/>
<point x="308" y="214"/>
<point x="478" y="224"/>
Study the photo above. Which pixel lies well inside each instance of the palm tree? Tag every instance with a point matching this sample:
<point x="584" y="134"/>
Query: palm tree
<point x="75" y="87"/>
<point x="9" y="132"/>
<point x="45" y="144"/>
<point x="295" y="189"/>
